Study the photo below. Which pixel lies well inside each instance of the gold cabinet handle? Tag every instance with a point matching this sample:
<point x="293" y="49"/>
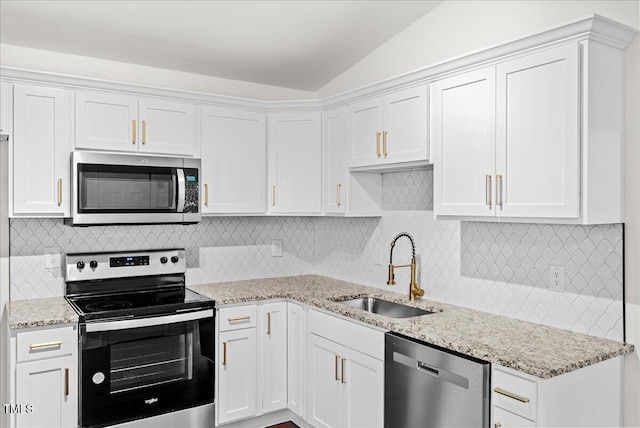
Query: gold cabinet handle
<point x="66" y="382"/>
<point x="206" y="195"/>
<point x="134" y="131"/>
<point x="343" y="379"/>
<point x="59" y="191"/>
<point x="273" y="195"/>
<point x="268" y="323"/>
<point x="511" y="395"/>
<point x="378" y="143"/>
<point x="337" y="360"/>
<point x="45" y="344"/>
<point x="384" y="144"/>
<point x="144" y="132"/>
<point x="242" y="318"/>
<point x="499" y="190"/>
<point x="488" y="190"/>
<point x="338" y="187"/>
<point x="224" y="353"/>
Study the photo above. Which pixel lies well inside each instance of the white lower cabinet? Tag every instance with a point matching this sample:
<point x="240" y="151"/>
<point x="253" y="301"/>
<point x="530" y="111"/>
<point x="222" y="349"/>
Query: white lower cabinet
<point x="296" y="335"/>
<point x="273" y="333"/>
<point x="346" y="373"/>
<point x="589" y="397"/>
<point x="43" y="377"/>
<point x="236" y="396"/>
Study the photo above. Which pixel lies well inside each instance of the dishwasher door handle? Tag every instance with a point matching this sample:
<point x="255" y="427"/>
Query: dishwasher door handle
<point x="436" y="372"/>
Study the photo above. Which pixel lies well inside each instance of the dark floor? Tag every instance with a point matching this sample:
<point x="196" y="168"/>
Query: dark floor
<point x="285" y="425"/>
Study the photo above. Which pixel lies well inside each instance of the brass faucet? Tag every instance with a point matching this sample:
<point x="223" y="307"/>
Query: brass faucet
<point x="414" y="290"/>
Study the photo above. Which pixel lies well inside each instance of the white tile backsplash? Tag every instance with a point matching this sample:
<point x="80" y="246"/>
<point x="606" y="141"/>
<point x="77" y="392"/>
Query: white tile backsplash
<point x="494" y="267"/>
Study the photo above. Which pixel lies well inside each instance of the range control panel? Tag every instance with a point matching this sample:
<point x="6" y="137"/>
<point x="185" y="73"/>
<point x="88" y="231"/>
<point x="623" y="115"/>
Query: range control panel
<point x="91" y="266"/>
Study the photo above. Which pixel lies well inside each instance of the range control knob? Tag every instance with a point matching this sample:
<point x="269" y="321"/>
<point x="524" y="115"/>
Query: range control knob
<point x="80" y="265"/>
<point x="163" y="260"/>
<point x="93" y="264"/>
<point x="174" y="259"/>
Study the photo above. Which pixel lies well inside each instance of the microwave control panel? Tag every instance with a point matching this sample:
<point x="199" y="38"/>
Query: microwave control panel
<point x="191" y="200"/>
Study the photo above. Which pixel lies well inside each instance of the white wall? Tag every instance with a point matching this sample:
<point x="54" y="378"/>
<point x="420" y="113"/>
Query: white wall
<point x="56" y="62"/>
<point x="455" y="28"/>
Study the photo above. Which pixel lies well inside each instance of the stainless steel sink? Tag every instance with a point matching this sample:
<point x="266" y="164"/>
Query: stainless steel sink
<point x="384" y="307"/>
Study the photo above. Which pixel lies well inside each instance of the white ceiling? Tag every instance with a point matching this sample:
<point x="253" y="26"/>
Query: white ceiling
<point x="293" y="44"/>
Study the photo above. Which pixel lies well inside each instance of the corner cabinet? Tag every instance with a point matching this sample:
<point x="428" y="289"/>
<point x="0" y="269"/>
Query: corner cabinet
<point x="40" y="151"/>
<point x="346" y="376"/>
<point x="389" y="130"/>
<point x="125" y="123"/>
<point x="43" y="377"/>
<point x="233" y="161"/>
<point x="531" y="138"/>
<point x="294" y="162"/>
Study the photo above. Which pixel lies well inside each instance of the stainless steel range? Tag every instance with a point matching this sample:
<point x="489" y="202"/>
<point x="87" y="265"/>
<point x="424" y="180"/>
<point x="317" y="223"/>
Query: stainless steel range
<point x="146" y="342"/>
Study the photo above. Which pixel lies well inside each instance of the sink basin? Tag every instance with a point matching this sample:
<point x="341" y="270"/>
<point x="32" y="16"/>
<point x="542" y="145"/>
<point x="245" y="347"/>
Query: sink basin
<point x="384" y="307"/>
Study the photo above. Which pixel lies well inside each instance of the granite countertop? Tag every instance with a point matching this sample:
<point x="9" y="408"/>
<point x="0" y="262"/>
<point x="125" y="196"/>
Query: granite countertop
<point x="531" y="348"/>
<point x="40" y="312"/>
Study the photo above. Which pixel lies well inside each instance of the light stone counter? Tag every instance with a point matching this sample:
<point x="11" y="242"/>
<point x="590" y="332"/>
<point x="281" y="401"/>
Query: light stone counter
<point x="531" y="348"/>
<point x="39" y="312"/>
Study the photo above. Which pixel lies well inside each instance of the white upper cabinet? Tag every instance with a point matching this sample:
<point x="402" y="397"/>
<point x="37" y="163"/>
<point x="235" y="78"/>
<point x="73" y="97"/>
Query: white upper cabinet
<point x="542" y="155"/>
<point x="41" y="147"/>
<point x="118" y="122"/>
<point x="295" y="162"/>
<point x="463" y="124"/>
<point x="388" y="131"/>
<point x="335" y="165"/>
<point x="233" y="161"/>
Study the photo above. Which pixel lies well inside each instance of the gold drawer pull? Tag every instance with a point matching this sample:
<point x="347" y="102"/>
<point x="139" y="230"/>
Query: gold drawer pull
<point x="378" y="143"/>
<point x="384" y="144"/>
<point x="337" y="360"/>
<point x="499" y="190"/>
<point x="338" y="187"/>
<point x="224" y="353"/>
<point x="273" y="195"/>
<point x="144" y="132"/>
<point x="59" y="191"/>
<point x="206" y="195"/>
<point x="343" y="379"/>
<point x="242" y="318"/>
<point x="511" y="395"/>
<point x="488" y="190"/>
<point x="45" y="344"/>
<point x="134" y="131"/>
<point x="268" y="323"/>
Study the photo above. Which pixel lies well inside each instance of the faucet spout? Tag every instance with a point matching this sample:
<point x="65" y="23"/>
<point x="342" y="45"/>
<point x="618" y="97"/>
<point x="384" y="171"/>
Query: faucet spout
<point x="414" y="290"/>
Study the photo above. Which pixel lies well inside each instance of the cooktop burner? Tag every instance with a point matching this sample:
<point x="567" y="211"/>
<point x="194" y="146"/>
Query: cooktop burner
<point x="107" y="305"/>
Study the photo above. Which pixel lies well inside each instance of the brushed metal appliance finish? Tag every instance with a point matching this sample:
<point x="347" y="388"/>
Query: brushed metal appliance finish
<point x="201" y="416"/>
<point x="428" y="387"/>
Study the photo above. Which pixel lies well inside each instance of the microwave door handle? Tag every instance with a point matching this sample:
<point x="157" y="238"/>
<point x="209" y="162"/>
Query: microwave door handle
<point x="181" y="190"/>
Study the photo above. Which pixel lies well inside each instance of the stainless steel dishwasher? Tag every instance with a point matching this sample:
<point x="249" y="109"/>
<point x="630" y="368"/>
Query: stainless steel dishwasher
<point x="428" y="387"/>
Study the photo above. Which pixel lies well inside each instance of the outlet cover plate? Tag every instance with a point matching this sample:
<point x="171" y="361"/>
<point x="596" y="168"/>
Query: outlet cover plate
<point x="276" y="248"/>
<point x="556" y="278"/>
<point x="51" y="258"/>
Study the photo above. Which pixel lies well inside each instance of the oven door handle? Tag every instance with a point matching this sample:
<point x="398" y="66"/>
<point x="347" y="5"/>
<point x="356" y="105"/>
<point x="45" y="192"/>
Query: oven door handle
<point x="182" y="189"/>
<point x="147" y="322"/>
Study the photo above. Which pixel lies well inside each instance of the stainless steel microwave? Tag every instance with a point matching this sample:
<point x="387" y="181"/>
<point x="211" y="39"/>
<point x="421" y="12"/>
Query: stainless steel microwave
<point x="112" y="188"/>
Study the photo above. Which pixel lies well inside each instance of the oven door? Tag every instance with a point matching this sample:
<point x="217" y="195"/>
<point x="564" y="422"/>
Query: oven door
<point x="133" y="369"/>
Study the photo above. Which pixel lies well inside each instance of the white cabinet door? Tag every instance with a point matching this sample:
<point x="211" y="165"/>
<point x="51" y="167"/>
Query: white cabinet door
<point x="274" y="356"/>
<point x="233" y="161"/>
<point x="363" y="382"/>
<point x="166" y="127"/>
<point x="6" y="108"/>
<point x="50" y="386"/>
<point x="295" y="162"/>
<point x="326" y="393"/>
<point x="538" y="134"/>
<point x="237" y="370"/>
<point x="295" y="358"/>
<point x="404" y="135"/>
<point x="106" y="122"/>
<point x="335" y="167"/>
<point x="41" y="151"/>
<point x="505" y="419"/>
<point x="364" y="132"/>
<point x="463" y="129"/>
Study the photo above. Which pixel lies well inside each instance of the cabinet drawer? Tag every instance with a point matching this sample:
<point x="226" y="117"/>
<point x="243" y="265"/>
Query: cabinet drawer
<point x="515" y="393"/>
<point x="46" y="343"/>
<point x="504" y="419"/>
<point x="355" y="336"/>
<point x="237" y="317"/>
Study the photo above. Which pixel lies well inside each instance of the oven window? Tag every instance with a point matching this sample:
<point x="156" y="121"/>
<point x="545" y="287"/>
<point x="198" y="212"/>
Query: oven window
<point x="117" y="188"/>
<point x="151" y="362"/>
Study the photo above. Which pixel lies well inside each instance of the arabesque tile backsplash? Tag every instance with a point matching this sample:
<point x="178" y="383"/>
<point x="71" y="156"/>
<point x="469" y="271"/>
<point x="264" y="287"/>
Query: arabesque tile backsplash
<point x="495" y="267"/>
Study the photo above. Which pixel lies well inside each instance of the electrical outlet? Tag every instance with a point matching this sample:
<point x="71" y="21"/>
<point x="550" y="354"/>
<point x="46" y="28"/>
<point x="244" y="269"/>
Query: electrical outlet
<point x="556" y="278"/>
<point x="276" y="248"/>
<point x="51" y="258"/>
